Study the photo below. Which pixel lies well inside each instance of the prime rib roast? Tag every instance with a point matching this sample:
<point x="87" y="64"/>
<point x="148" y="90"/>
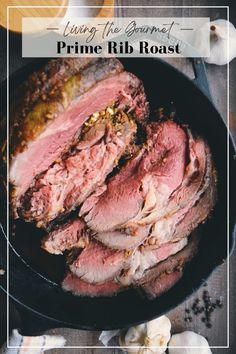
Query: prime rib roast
<point x="117" y="193"/>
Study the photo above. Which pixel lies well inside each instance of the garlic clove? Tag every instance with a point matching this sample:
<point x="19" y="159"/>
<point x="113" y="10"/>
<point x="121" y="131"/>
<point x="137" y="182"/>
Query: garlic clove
<point x="159" y="326"/>
<point x="189" y="339"/>
<point x="218" y="42"/>
<point x="154" y="333"/>
<point x="219" y="31"/>
<point x="133" y="338"/>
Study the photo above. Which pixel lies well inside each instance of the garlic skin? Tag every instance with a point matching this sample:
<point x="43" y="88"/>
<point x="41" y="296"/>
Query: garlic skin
<point x="153" y="333"/>
<point x="218" y="41"/>
<point x="189" y="339"/>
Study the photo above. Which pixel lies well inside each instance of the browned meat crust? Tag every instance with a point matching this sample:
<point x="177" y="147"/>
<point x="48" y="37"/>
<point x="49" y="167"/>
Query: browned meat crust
<point x="157" y="280"/>
<point x="49" y="91"/>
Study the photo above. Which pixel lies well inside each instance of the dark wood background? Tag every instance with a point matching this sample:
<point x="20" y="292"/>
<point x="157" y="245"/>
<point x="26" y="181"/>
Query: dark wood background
<point x="217" y="283"/>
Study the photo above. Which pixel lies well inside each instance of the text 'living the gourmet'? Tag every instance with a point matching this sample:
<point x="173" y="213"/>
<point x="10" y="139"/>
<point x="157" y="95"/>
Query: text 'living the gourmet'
<point x="122" y="37"/>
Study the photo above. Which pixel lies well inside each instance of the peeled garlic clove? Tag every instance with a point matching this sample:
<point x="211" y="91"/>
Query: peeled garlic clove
<point x="132" y="338"/>
<point x="154" y="333"/>
<point x="218" y="42"/>
<point x="158" y="331"/>
<point x="189" y="339"/>
<point x="220" y="31"/>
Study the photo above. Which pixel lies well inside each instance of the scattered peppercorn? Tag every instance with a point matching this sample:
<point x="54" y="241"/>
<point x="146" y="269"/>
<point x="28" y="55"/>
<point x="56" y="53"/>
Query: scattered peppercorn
<point x="204" y="306"/>
<point x="201" y="309"/>
<point x="188" y="319"/>
<point x="219" y="303"/>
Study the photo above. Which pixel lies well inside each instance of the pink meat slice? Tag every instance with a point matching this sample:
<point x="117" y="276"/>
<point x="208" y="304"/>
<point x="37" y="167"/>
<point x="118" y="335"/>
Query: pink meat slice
<point x="93" y="283"/>
<point x="161" y="165"/>
<point x="146" y="258"/>
<point x="81" y="288"/>
<point x="181" y="199"/>
<point x="149" y="258"/>
<point x="53" y="141"/>
<point x="195" y="179"/>
<point x="201" y="209"/>
<point x="118" y="180"/>
<point x="56" y="135"/>
<point x="97" y="264"/>
<point x="121" y="240"/>
<point x="86" y="276"/>
<point x="165" y="274"/>
<point x="69" y="182"/>
<point x="187" y="196"/>
<point x="70" y="235"/>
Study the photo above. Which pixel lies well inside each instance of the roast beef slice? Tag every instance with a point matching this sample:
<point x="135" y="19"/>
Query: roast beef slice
<point x="69" y="181"/>
<point x="160" y="169"/>
<point x="51" y="122"/>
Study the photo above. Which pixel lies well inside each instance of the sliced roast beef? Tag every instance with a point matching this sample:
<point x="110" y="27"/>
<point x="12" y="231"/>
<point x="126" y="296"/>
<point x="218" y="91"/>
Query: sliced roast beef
<point x="183" y="200"/>
<point x="46" y="101"/>
<point x="160" y="169"/>
<point x="164" y="275"/>
<point x="162" y="218"/>
<point x="150" y="257"/>
<point x="181" y="196"/>
<point x="70" y="235"/>
<point x="79" y="139"/>
<point x="145" y="258"/>
<point x="52" y="112"/>
<point x="81" y="288"/>
<point x="200" y="210"/>
<point x="97" y="264"/>
<point x="65" y="185"/>
<point x="122" y="240"/>
<point x="120" y="178"/>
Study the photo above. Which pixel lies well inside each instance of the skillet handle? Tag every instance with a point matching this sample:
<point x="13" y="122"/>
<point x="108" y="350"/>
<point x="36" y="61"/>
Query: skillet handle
<point x="201" y="80"/>
<point x="32" y="324"/>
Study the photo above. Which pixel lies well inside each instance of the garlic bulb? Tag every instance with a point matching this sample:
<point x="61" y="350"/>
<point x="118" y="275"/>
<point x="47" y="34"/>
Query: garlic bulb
<point x="153" y="333"/>
<point x="218" y="41"/>
<point x="189" y="339"/>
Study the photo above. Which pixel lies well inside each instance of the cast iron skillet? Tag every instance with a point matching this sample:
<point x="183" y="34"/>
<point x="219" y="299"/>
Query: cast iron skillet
<point x="34" y="279"/>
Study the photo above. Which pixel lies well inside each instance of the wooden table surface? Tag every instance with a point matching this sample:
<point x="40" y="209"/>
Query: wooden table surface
<point x="217" y="283"/>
